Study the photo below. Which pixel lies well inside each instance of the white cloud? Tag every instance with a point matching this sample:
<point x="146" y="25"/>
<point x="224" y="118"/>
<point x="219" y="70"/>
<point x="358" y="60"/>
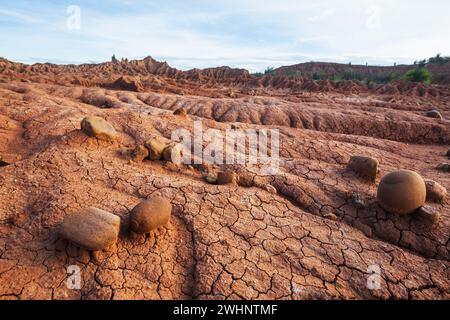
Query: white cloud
<point x="240" y="33"/>
<point x="327" y="13"/>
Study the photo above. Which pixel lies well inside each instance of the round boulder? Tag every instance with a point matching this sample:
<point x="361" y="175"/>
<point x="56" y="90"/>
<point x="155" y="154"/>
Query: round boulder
<point x="150" y="215"/>
<point x="434" y="114"/>
<point x="365" y="167"/>
<point x="91" y="228"/>
<point x="402" y="192"/>
<point x="435" y="191"/>
<point x="99" y="128"/>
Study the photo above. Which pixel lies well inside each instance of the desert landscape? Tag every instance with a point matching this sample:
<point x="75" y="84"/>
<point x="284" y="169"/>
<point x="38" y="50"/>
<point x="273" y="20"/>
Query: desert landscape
<point x="92" y="141"/>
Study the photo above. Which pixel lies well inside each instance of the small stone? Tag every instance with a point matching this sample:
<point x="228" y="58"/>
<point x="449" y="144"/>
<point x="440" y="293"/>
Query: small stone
<point x="434" y="114"/>
<point x="444" y="167"/>
<point x="224" y="178"/>
<point x="211" y="178"/>
<point x="91" y="228"/>
<point x="180" y="112"/>
<point x="155" y="148"/>
<point x="429" y="214"/>
<point x="150" y="215"/>
<point x="365" y="167"/>
<point x="270" y="188"/>
<point x="99" y="128"/>
<point x="139" y="153"/>
<point x="435" y="191"/>
<point x="173" y="153"/>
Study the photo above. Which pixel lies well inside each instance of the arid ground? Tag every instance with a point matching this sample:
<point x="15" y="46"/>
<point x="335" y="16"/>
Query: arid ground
<point x="315" y="237"/>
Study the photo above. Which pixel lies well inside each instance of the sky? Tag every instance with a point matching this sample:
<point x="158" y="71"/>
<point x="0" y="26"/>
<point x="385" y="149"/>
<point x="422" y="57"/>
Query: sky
<point x="251" y="34"/>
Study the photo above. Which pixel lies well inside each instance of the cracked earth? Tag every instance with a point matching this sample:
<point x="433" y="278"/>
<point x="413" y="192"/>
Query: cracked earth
<point x="310" y="240"/>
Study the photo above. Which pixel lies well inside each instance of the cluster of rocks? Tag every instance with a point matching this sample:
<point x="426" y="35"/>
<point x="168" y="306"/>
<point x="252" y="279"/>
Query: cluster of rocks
<point x="96" y="229"/>
<point x="222" y="178"/>
<point x="401" y="192"/>
<point x="157" y="148"/>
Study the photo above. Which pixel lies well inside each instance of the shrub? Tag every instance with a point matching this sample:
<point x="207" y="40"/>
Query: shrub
<point x="418" y="75"/>
<point x="269" y="71"/>
<point x="258" y="74"/>
<point x="319" y="76"/>
<point x="294" y="74"/>
<point x="439" y="59"/>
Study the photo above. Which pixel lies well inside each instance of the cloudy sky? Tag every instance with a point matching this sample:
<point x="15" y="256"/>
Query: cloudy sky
<point x="252" y="34"/>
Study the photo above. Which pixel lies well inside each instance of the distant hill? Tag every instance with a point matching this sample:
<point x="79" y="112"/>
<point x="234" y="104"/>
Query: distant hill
<point x="381" y="74"/>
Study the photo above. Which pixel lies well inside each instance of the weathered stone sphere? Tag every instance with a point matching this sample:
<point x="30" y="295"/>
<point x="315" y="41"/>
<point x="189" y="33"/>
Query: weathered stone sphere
<point x="365" y="167"/>
<point x="99" y="128"/>
<point x="91" y="228"/>
<point x="402" y="192"/>
<point x="150" y="215"/>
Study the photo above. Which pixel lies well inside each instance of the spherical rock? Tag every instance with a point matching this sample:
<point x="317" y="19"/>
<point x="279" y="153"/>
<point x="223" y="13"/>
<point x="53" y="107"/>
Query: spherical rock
<point x="155" y="148"/>
<point x="401" y="192"/>
<point x="99" y="128"/>
<point x="91" y="228"/>
<point x="365" y="167"/>
<point x="435" y="191"/>
<point x="224" y="178"/>
<point x="150" y="215"/>
<point x="434" y="114"/>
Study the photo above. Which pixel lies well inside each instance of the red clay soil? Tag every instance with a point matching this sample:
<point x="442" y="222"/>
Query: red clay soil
<point x="315" y="238"/>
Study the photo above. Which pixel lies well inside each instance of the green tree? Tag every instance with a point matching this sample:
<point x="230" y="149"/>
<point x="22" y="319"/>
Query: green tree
<point x="418" y="75"/>
<point x="269" y="71"/>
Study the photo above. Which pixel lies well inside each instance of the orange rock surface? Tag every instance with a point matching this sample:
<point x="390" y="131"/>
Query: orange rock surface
<point x="308" y="240"/>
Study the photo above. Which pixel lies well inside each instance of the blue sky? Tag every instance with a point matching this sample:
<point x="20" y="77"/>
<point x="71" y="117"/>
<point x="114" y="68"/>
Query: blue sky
<point x="252" y="34"/>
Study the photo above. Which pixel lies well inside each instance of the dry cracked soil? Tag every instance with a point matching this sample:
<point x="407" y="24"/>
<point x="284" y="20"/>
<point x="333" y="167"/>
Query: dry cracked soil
<point x="316" y="237"/>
